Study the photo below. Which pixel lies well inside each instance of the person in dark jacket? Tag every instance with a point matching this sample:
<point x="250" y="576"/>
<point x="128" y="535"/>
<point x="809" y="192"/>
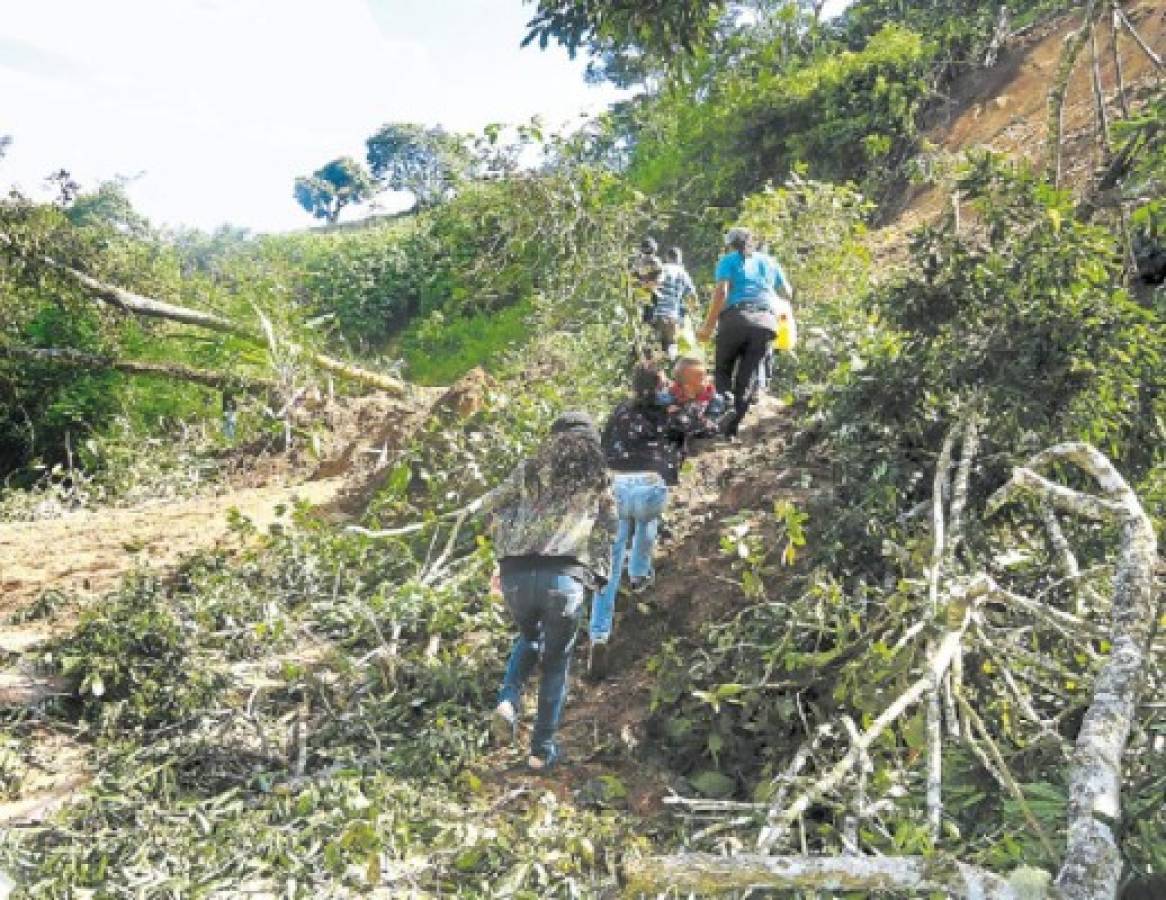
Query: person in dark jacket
<point x="644" y="446"/>
<point x="552" y="525"/>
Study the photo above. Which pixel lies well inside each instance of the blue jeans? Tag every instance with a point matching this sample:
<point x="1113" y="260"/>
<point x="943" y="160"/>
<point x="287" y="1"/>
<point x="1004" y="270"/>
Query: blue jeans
<point x="640" y="500"/>
<point x="546" y="606"/>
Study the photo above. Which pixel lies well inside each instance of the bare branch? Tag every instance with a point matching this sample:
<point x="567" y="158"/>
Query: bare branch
<point x="1060" y="89"/>
<point x="939" y="490"/>
<point x="458" y="515"/>
<point x="1025" y="480"/>
<point x="1146" y="48"/>
<point x="1115" y="55"/>
<point x="1069" y="625"/>
<point x="1002" y="773"/>
<point x="1092" y="862"/>
<point x="1060" y="544"/>
<point x="963" y="601"/>
<point x="705" y="874"/>
<point x="1098" y="92"/>
<point x="969" y="447"/>
<point x="66" y="356"/>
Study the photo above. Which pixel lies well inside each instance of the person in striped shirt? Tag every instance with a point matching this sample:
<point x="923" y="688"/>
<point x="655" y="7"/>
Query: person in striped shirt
<point x="673" y="290"/>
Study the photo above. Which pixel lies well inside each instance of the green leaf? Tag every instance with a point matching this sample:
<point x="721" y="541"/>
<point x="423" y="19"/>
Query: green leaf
<point x="713" y="784"/>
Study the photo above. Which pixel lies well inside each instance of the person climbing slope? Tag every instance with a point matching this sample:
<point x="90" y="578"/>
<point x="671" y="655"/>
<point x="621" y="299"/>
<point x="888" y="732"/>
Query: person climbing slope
<point x="674" y="288"/>
<point x="646" y="269"/>
<point x="644" y="447"/>
<point x="743" y="314"/>
<point x="553" y="522"/>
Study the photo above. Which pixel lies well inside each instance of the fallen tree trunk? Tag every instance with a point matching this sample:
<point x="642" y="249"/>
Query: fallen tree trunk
<point x="1093" y="863"/>
<point x="705" y="875"/>
<point x="150" y="308"/>
<point x="78" y="360"/>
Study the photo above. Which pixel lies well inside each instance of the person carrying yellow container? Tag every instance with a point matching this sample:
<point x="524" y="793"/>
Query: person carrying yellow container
<point x="744" y="314"/>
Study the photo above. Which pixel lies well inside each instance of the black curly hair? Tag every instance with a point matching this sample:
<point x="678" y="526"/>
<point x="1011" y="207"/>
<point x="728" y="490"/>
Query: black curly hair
<point x="572" y="456"/>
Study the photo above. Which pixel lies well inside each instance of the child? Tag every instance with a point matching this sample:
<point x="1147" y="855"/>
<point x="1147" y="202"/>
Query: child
<point x="691" y="383"/>
<point x="692" y="398"/>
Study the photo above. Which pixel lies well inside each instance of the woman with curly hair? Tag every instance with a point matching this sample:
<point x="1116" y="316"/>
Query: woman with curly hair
<point x="552" y="526"/>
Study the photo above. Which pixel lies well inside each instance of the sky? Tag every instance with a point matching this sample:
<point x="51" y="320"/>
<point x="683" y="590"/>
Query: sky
<point x="211" y="108"/>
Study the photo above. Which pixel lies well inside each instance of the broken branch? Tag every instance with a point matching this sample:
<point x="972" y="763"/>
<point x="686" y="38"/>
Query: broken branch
<point x="706" y="874"/>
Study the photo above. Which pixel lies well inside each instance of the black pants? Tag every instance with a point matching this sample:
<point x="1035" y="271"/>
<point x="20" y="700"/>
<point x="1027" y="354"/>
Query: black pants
<point x="743" y="339"/>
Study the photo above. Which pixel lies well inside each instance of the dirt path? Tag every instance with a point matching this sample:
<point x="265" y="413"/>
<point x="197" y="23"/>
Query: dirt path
<point x="89" y="552"/>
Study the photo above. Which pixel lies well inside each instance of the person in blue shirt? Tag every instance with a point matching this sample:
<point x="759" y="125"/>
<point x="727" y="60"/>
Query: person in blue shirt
<point x="743" y="315"/>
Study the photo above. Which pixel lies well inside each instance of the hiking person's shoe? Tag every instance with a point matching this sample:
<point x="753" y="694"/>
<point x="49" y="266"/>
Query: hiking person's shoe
<point x="597" y="660"/>
<point x="640" y="583"/>
<point x="543" y="764"/>
<point x="504" y="724"/>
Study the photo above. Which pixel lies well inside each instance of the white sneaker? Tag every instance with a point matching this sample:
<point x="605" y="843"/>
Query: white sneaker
<point x="504" y="723"/>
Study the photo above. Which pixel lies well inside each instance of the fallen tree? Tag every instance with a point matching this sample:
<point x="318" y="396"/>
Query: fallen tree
<point x="705" y="874"/>
<point x="76" y="359"/>
<point x="151" y="308"/>
<point x="1091" y="865"/>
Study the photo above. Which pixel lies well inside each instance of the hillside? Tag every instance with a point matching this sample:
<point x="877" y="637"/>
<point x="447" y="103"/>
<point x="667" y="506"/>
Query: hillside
<point x="1005" y="108"/>
<point x="904" y="635"/>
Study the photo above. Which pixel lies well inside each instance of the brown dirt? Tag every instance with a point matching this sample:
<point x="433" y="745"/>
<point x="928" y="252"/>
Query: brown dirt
<point x="1005" y="109"/>
<point x="88" y="552"/>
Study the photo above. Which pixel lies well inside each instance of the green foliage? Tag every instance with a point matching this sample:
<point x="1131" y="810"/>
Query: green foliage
<point x="426" y="162"/>
<point x="134" y="663"/>
<point x="663" y="26"/>
<point x="840" y="115"/>
<point x="962" y="28"/>
<point x="107" y="207"/>
<point x="1141" y="166"/>
<point x="363" y="285"/>
<point x="1025" y="317"/>
<point x="438" y="351"/>
<point x="335" y="185"/>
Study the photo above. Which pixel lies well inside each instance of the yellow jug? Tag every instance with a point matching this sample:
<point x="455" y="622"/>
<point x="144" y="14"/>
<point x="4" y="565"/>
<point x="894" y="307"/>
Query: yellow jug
<point x="787" y="331"/>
